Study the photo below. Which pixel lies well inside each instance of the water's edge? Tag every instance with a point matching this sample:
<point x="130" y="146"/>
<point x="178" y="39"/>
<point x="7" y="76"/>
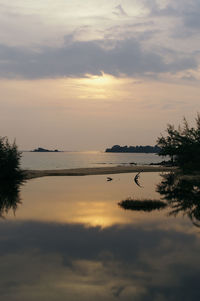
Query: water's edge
<point x="30" y="174"/>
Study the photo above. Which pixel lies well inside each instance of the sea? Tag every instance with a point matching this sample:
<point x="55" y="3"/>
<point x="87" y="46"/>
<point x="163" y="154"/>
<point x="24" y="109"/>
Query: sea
<point x="65" y="160"/>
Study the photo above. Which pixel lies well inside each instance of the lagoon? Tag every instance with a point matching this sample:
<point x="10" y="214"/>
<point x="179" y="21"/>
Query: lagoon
<point x="70" y="240"/>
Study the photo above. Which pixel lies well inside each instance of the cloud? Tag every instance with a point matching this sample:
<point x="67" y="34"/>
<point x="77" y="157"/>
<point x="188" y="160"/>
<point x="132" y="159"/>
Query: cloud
<point x="187" y="11"/>
<point x="119" y="11"/>
<point x="192" y="19"/>
<point x="119" y="49"/>
<point x="77" y="58"/>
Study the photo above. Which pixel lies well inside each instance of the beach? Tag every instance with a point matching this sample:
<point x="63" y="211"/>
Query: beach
<point x="31" y="174"/>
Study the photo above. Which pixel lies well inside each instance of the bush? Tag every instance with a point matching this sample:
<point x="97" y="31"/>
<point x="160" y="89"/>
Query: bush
<point x="9" y="160"/>
<point x="182" y="145"/>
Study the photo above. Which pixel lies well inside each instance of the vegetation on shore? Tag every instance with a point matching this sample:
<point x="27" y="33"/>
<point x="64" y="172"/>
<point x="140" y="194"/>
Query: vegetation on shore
<point x="182" y="145"/>
<point x="44" y="150"/>
<point x="133" y="149"/>
<point x="9" y="160"/>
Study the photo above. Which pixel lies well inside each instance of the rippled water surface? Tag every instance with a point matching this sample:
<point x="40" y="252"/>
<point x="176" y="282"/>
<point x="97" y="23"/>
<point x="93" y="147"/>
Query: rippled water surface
<point x="70" y="240"/>
<point x="62" y="160"/>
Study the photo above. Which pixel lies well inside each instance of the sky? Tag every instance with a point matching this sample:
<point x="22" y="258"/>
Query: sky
<point x="85" y="75"/>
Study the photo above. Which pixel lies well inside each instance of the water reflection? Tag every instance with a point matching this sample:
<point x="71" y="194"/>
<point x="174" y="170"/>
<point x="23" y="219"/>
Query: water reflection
<point x="44" y="256"/>
<point x="9" y="195"/>
<point x="182" y="194"/>
<point x="89" y="200"/>
<point x="49" y="261"/>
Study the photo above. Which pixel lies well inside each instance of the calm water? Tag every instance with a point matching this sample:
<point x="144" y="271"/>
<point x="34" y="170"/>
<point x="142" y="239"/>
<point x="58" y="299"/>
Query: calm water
<point x="70" y="240"/>
<point x="64" y="160"/>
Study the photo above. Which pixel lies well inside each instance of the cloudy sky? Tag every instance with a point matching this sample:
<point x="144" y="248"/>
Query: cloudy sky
<point x="84" y="75"/>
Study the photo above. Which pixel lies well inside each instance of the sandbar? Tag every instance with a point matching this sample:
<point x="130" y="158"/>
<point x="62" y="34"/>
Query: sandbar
<point x="31" y="174"/>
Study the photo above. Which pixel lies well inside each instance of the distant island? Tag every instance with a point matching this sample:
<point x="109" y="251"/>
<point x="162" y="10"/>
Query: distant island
<point x="44" y="150"/>
<point x="133" y="149"/>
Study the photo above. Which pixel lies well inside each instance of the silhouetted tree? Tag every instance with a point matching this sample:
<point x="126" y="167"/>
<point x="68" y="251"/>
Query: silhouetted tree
<point x="9" y="160"/>
<point x="182" y="145"/>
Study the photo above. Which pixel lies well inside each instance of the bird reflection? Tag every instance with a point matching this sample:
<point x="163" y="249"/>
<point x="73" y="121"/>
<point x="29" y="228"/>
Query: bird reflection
<point x="9" y="195"/>
<point x="136" y="179"/>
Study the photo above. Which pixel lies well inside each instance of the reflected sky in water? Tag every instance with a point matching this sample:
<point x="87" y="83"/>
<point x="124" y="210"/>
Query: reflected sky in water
<point x="90" y="200"/>
<point x="69" y="240"/>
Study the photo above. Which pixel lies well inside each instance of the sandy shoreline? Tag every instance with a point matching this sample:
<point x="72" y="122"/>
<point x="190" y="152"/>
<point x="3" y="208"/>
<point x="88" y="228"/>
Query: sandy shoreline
<point x="31" y="174"/>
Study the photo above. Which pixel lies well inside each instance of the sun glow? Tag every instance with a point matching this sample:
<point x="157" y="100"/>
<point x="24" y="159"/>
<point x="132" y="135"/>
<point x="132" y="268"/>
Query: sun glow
<point x="99" y="86"/>
<point x="99" y="80"/>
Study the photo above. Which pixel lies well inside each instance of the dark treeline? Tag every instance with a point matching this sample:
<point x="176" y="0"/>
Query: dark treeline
<point x="133" y="149"/>
<point x="44" y="150"/>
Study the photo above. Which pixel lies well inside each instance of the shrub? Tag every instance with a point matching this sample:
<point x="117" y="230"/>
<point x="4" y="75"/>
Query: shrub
<point x="9" y="160"/>
<point x="182" y="145"/>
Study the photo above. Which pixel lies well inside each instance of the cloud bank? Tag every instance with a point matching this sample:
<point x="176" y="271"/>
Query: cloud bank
<point x="77" y="58"/>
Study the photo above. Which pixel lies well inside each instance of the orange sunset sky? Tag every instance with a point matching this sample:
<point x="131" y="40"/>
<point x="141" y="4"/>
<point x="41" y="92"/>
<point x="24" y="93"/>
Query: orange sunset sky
<point x="84" y="75"/>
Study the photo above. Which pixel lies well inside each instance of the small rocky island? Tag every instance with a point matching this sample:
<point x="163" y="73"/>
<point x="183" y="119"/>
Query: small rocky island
<point x="133" y="149"/>
<point x="44" y="150"/>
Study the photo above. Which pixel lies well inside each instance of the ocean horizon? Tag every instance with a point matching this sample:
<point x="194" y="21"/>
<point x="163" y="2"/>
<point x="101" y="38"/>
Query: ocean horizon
<point x="83" y="159"/>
